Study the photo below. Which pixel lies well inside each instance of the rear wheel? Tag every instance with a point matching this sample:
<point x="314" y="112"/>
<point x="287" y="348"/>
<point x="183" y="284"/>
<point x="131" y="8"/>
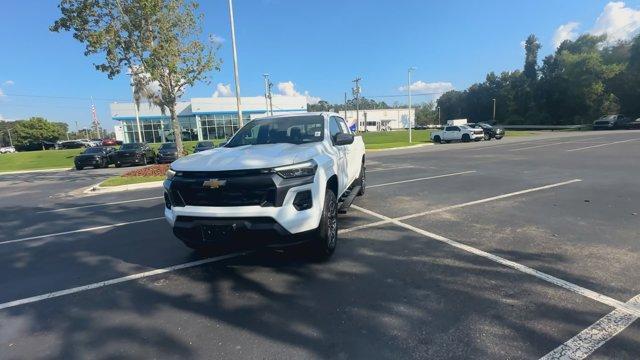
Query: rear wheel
<point x="118" y="165"/>
<point x="487" y="137"/>
<point x="437" y="140"/>
<point x="466" y="138"/>
<point x="78" y="167"/>
<point x="325" y="237"/>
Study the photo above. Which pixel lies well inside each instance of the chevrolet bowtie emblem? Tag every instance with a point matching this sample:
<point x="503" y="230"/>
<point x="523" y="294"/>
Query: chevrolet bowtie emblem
<point x="214" y="183"/>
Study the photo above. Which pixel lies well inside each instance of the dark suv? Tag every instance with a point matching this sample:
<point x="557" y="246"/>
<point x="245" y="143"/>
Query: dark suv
<point x="611" y="122"/>
<point x="96" y="157"/>
<point x="168" y="152"/>
<point x="134" y="154"/>
<point x="489" y="131"/>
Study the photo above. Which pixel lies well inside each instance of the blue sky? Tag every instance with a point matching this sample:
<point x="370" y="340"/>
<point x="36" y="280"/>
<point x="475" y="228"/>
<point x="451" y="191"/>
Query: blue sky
<point x="319" y="46"/>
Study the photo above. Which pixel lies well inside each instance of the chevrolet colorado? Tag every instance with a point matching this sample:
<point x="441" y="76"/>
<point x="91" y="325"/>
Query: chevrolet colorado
<point x="280" y="180"/>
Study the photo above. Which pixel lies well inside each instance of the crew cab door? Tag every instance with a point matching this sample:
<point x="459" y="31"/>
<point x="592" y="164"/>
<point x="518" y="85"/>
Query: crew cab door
<point x="451" y="133"/>
<point x="341" y="154"/>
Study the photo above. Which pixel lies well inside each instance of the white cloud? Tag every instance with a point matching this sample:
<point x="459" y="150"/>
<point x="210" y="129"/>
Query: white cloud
<point x="618" y="21"/>
<point x="288" y="88"/>
<point x="425" y="87"/>
<point x="223" y="90"/>
<point x="565" y="32"/>
<point x="216" y="40"/>
<point x="8" y="83"/>
<point x="2" y="94"/>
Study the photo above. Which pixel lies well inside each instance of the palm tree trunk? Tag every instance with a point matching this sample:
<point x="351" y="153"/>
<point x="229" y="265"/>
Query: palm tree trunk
<point x="177" y="132"/>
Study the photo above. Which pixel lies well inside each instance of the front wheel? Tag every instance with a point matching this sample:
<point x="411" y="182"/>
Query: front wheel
<point x="466" y="138"/>
<point x="487" y="137"/>
<point x="78" y="167"/>
<point x="325" y="237"/>
<point x="437" y="140"/>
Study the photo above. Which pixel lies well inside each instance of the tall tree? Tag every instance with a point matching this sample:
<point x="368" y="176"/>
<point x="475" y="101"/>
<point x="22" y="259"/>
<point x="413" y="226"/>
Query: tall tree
<point x="36" y="129"/>
<point x="156" y="40"/>
<point x="531" y="47"/>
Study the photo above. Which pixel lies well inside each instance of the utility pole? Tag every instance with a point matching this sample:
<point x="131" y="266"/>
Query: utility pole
<point x="345" y="106"/>
<point x="439" y="120"/>
<point x="77" y="131"/>
<point x="266" y="91"/>
<point x="235" y="65"/>
<point x="409" y="90"/>
<point x="356" y="94"/>
<point x="494" y="110"/>
<point x="9" y="132"/>
<point x="269" y="86"/>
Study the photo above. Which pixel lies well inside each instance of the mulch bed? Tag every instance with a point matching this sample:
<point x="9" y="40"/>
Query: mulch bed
<point x="151" y="170"/>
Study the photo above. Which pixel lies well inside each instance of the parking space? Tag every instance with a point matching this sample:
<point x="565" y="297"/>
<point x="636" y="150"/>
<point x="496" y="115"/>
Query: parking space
<point x="512" y="249"/>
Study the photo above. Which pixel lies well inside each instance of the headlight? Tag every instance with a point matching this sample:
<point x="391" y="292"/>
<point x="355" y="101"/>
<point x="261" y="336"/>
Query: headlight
<point x="307" y="168"/>
<point x="170" y="174"/>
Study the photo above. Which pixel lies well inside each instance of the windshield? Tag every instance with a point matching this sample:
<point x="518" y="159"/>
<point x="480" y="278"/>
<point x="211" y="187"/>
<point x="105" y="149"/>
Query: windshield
<point x="132" y="146"/>
<point x="608" y="117"/>
<point x="168" y="146"/>
<point x="94" y="150"/>
<point x="290" y="129"/>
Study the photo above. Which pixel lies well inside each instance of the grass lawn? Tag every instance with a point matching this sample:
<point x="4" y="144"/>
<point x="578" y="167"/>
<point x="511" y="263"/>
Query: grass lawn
<point x="128" y="180"/>
<point x="34" y="160"/>
<point x="391" y="139"/>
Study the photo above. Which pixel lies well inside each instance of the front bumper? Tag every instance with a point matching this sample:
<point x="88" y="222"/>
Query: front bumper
<point x="274" y="224"/>
<point x="477" y="136"/>
<point x="160" y="159"/>
<point x="87" y="162"/>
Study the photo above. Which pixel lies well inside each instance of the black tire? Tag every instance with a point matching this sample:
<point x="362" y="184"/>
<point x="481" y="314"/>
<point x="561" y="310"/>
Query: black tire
<point x="78" y="167"/>
<point x="487" y="137"/>
<point x="466" y="138"/>
<point x="97" y="166"/>
<point x="498" y="138"/>
<point x="118" y="165"/>
<point x="362" y="181"/>
<point x="437" y="140"/>
<point x="325" y="237"/>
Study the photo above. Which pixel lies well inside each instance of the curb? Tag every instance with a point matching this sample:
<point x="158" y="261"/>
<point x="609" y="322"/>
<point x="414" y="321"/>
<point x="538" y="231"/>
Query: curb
<point x="97" y="189"/>
<point x="399" y="148"/>
<point x="34" y="171"/>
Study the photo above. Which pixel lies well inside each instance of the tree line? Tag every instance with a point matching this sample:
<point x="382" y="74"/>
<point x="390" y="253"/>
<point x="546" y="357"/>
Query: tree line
<point x="40" y="129"/>
<point x="581" y="81"/>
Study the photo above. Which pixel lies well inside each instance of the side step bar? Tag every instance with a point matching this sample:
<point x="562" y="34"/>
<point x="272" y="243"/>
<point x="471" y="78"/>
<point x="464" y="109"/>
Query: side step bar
<point x="348" y="199"/>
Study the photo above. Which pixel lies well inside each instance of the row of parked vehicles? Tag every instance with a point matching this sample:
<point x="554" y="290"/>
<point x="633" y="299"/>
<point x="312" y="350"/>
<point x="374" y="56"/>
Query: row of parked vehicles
<point x="466" y="132"/>
<point x="131" y="154"/>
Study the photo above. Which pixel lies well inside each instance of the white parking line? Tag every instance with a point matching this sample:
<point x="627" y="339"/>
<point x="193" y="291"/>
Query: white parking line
<point x="555" y="143"/>
<point x="606" y="144"/>
<point x="596" y="335"/>
<point x="95" y="205"/>
<point x="420" y="179"/>
<point x="391" y="168"/>
<point x="132" y="277"/>
<point x="80" y="230"/>
<point x="457" y="206"/>
<point x="630" y="308"/>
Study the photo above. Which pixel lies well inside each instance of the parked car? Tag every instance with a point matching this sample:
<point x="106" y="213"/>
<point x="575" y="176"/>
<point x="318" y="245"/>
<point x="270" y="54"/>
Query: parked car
<point x="72" y="144"/>
<point x="610" y="122"/>
<point x="168" y="152"/>
<point x="134" y="154"/>
<point x="97" y="157"/>
<point x="109" y="142"/>
<point x="31" y="145"/>
<point x="7" y="149"/>
<point x="489" y="131"/>
<point x="457" y="133"/>
<point x="203" y="145"/>
<point x="283" y="177"/>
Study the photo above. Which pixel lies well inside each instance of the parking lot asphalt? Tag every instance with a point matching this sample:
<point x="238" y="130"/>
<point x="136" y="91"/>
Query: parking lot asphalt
<point x="520" y="248"/>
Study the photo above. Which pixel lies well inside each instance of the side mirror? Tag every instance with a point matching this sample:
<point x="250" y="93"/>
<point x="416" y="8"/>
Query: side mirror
<point x="343" y="139"/>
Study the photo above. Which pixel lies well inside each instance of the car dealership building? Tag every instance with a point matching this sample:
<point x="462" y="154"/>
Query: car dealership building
<point x="200" y="118"/>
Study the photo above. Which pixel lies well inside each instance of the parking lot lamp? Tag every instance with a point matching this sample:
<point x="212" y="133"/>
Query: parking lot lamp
<point x="494" y="110"/>
<point x="409" y="90"/>
<point x="236" y="77"/>
<point x="10" y="141"/>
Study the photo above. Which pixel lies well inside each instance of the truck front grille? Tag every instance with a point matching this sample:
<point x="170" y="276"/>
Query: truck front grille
<point x="225" y="188"/>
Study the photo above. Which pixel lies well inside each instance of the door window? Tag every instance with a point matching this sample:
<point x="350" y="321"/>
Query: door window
<point x="334" y="127"/>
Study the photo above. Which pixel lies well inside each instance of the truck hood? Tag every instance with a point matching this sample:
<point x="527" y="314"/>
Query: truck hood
<point x="247" y="157"/>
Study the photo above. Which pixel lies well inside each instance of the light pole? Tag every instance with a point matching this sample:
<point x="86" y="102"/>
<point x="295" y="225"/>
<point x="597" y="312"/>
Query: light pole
<point x="135" y="105"/>
<point x="266" y="91"/>
<point x="10" y="141"/>
<point x="235" y="64"/>
<point x="409" y="90"/>
<point x="494" y="110"/>
<point x="439" y="121"/>
<point x="356" y="94"/>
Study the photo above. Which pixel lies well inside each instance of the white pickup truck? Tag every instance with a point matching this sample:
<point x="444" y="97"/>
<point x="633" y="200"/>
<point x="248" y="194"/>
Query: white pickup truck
<point x="278" y="181"/>
<point x="457" y="133"/>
